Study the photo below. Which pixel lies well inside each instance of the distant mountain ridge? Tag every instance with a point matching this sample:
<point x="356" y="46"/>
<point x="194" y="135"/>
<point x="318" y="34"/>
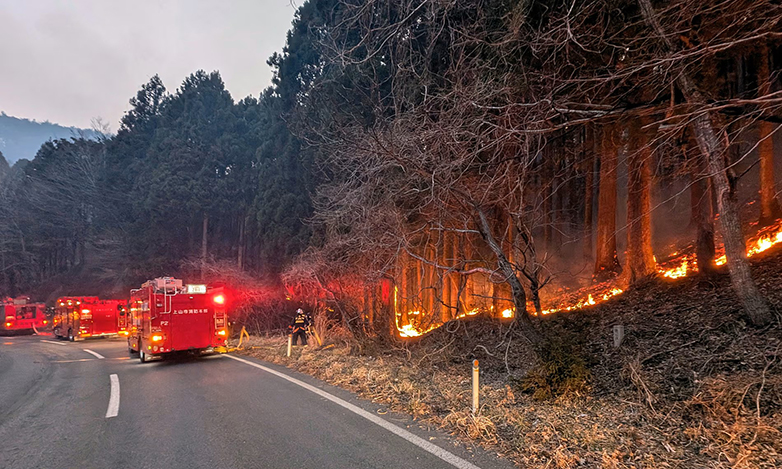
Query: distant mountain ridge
<point x="21" y="138"/>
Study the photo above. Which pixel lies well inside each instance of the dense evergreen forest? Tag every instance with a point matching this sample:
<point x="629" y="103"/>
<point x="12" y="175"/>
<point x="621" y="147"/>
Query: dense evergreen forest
<point x="417" y="161"/>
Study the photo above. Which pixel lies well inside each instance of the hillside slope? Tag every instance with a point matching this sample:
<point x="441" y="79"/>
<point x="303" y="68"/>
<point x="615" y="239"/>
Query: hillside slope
<point x="691" y="386"/>
<point x="21" y="138"/>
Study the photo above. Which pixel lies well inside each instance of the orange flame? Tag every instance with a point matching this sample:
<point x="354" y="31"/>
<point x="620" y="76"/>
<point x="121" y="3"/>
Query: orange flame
<point x="681" y="265"/>
<point x="590" y="300"/>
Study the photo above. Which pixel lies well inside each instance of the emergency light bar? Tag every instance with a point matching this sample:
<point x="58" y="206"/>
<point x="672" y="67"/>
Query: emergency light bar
<point x="196" y="289"/>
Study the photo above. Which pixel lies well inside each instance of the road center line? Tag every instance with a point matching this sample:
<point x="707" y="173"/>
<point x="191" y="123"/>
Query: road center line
<point x="53" y="342"/>
<point x="113" y="409"/>
<point x="94" y="353"/>
<point x="450" y="458"/>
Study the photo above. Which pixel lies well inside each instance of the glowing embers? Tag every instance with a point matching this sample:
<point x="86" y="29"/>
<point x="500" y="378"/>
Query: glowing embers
<point x="507" y="313"/>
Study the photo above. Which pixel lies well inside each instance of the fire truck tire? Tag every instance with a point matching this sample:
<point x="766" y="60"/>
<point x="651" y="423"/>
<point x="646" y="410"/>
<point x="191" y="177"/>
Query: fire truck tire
<point x="70" y="335"/>
<point x="142" y="356"/>
<point x="56" y="332"/>
<point x="132" y="352"/>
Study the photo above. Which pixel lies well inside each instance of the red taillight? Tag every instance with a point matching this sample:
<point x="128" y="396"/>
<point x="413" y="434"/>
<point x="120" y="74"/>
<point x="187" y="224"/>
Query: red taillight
<point x="219" y="299"/>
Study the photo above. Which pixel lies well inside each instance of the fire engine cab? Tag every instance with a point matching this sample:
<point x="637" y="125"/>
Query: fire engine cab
<point x="20" y="315"/>
<point x="165" y="316"/>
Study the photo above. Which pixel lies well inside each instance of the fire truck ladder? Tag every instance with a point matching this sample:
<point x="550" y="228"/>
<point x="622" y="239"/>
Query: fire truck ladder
<point x="168" y="306"/>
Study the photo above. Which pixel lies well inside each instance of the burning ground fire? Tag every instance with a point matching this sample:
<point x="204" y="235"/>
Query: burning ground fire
<point x="685" y="264"/>
<point x="680" y="264"/>
<point x="591" y="299"/>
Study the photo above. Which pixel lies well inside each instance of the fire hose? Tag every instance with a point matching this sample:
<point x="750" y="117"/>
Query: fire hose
<point x="314" y="333"/>
<point x="242" y="335"/>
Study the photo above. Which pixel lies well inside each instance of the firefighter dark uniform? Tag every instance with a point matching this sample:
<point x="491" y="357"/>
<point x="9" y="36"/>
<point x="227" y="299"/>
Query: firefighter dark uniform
<point x="300" y="325"/>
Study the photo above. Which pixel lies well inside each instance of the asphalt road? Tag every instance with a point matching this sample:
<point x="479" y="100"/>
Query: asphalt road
<point x="60" y="407"/>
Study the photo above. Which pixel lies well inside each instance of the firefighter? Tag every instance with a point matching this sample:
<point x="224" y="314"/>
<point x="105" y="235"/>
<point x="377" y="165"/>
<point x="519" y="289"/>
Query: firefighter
<point x="301" y="323"/>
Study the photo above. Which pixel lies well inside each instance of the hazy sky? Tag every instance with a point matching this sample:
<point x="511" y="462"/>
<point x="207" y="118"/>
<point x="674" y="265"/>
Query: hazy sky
<point x="68" y="61"/>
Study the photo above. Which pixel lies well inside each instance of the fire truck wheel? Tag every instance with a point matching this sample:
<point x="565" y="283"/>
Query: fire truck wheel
<point x="56" y="332"/>
<point x="70" y="335"/>
<point x="142" y="356"/>
<point x="132" y="352"/>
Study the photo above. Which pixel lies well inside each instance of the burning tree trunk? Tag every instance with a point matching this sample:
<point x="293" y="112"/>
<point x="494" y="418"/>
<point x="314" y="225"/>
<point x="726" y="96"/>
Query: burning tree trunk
<point x="769" y="206"/>
<point x="714" y="150"/>
<point x="606" y="262"/>
<point x="640" y="262"/>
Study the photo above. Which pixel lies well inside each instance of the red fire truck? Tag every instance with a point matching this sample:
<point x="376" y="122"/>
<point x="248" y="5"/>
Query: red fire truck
<point x="78" y="317"/>
<point x="166" y="316"/>
<point x="20" y="315"/>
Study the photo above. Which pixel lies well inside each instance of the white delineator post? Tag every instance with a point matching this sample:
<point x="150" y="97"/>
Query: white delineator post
<point x="290" y="341"/>
<point x="619" y="335"/>
<point x="475" y="382"/>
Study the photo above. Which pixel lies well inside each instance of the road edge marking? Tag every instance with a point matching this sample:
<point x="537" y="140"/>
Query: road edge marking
<point x="113" y="409"/>
<point x="53" y="342"/>
<point x="96" y="354"/>
<point x="446" y="456"/>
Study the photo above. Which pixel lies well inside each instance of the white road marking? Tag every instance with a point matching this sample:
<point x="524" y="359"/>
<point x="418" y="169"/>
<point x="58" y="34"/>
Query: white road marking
<point x="53" y="342"/>
<point x="94" y="353"/>
<point x="113" y="409"/>
<point x="450" y="458"/>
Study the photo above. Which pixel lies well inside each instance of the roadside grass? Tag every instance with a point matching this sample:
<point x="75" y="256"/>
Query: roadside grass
<point x="692" y="386"/>
<point x="716" y="427"/>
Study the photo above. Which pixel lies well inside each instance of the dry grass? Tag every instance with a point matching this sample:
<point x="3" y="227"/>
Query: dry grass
<point x="713" y="429"/>
<point x="692" y="386"/>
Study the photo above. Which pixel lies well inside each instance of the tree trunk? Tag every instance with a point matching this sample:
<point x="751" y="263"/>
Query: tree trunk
<point x="714" y="150"/>
<point x="588" y="197"/>
<point x="702" y="217"/>
<point x="205" y="228"/>
<point x="640" y="262"/>
<point x="548" y="194"/>
<point x="606" y="262"/>
<point x="769" y="206"/>
<point x="447" y="259"/>
<point x="385" y="314"/>
<point x="730" y="223"/>
<point x="509" y="273"/>
<point x="240" y="251"/>
<point x="461" y="280"/>
<point x="531" y="268"/>
<point x="402" y="305"/>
